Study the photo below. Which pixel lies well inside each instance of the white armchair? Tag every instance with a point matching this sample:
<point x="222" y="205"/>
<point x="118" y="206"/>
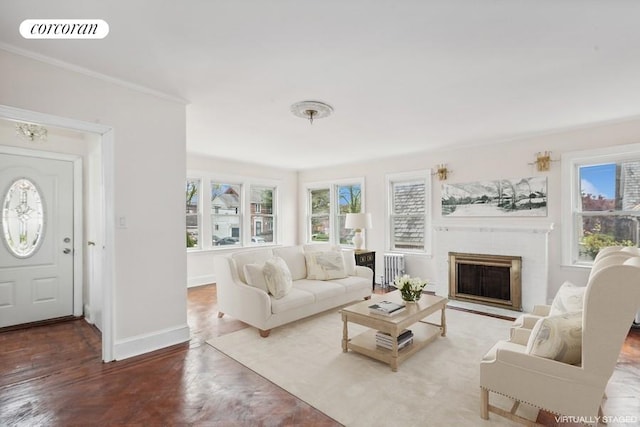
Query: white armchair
<point x="511" y="368"/>
<point x="612" y="255"/>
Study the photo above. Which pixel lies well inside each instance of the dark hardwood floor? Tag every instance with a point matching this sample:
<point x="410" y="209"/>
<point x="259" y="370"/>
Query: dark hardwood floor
<point x="52" y="375"/>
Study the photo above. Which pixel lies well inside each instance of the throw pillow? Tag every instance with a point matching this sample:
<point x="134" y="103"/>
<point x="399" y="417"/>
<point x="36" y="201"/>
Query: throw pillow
<point x="325" y="265"/>
<point x="349" y="259"/>
<point x="278" y="277"/>
<point x="255" y="276"/>
<point x="558" y="338"/>
<point x="569" y="299"/>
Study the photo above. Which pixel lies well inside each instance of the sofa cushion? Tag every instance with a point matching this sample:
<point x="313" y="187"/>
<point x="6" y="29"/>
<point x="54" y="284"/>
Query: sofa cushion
<point x="320" y="289"/>
<point x="250" y="257"/>
<point x="296" y="298"/>
<point x="255" y="276"/>
<point x="294" y="257"/>
<point x="278" y="277"/>
<point x="325" y="265"/>
<point x="558" y="338"/>
<point x="348" y="255"/>
<point x="569" y="299"/>
<point x="353" y="283"/>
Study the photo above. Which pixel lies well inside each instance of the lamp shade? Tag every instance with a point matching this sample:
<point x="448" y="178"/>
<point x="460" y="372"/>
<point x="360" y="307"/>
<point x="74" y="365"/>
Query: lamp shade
<point x="358" y="220"/>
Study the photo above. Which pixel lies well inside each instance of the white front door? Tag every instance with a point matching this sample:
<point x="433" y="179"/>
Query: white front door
<point x="36" y="253"/>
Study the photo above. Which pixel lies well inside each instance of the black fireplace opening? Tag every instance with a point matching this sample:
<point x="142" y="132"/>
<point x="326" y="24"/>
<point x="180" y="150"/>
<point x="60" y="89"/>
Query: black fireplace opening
<point x="484" y="281"/>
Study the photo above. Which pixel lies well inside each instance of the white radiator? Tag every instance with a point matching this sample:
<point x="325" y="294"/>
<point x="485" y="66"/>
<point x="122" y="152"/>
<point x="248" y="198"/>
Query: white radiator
<point x="393" y="267"/>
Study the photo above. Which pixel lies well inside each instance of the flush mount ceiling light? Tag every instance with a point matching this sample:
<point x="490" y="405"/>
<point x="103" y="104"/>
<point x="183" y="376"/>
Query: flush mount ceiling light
<point x="31" y="132"/>
<point x="311" y="110"/>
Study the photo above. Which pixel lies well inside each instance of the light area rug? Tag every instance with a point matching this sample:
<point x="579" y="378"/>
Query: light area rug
<point x="438" y="386"/>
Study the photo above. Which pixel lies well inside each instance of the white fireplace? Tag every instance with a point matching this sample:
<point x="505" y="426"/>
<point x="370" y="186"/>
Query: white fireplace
<point x="530" y="243"/>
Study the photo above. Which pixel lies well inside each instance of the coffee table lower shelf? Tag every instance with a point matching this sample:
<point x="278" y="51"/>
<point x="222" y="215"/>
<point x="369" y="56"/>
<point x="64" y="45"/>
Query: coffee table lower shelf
<point x="365" y="343"/>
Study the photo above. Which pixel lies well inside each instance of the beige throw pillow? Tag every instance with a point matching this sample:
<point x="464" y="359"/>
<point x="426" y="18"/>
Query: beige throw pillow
<point x="569" y="299"/>
<point x="278" y="277"/>
<point x="558" y="338"/>
<point x="325" y="265"/>
<point x="349" y="258"/>
<point x="255" y="276"/>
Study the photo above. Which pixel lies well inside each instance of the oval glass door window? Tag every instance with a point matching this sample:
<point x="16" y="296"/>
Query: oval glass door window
<point x="22" y="218"/>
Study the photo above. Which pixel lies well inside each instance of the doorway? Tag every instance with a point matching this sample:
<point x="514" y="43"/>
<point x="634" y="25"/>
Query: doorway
<point x="98" y="284"/>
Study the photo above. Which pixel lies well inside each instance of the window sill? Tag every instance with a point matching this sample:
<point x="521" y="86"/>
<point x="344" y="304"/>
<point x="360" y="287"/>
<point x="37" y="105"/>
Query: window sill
<point x="229" y="248"/>
<point x="577" y="266"/>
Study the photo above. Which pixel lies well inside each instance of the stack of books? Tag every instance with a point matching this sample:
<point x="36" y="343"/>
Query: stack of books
<point x="385" y="340"/>
<point x="386" y="308"/>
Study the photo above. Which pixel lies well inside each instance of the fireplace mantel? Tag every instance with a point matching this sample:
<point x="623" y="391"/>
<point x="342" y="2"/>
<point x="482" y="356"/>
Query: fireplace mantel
<point x="528" y="240"/>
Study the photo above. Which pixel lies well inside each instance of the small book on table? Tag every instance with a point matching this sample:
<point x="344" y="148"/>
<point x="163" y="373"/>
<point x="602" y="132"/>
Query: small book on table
<point x="386" y="308"/>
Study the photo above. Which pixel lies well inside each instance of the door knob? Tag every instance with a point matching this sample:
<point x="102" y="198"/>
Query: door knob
<point x="67" y="251"/>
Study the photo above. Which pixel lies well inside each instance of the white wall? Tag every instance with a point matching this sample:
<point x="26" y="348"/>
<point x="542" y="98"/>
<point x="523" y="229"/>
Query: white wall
<point x="200" y="262"/>
<point x="149" y="167"/>
<point x="475" y="163"/>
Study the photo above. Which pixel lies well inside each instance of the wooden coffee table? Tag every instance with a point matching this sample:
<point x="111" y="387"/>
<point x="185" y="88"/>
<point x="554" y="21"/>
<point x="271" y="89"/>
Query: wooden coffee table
<point x="412" y="318"/>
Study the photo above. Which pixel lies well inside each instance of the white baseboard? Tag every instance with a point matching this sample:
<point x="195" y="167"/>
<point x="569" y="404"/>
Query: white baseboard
<point x="88" y="314"/>
<point x="146" y="343"/>
<point x="200" y="280"/>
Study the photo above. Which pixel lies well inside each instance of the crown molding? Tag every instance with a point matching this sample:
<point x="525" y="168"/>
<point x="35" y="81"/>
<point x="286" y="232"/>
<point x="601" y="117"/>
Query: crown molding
<point x="91" y="73"/>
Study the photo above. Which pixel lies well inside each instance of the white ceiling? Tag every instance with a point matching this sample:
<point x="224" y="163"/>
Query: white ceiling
<point x="403" y="76"/>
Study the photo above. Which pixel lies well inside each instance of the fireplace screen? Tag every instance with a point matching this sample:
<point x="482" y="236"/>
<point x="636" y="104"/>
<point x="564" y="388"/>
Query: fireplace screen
<point x="486" y="279"/>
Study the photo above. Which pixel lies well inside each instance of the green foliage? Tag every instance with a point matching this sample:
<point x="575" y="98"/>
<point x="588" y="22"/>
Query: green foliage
<point x="192" y="242"/>
<point x="320" y="237"/>
<point x="320" y="201"/>
<point x="593" y="242"/>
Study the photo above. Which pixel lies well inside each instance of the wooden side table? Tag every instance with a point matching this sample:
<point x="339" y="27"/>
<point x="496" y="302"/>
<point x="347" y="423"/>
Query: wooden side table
<point x="367" y="258"/>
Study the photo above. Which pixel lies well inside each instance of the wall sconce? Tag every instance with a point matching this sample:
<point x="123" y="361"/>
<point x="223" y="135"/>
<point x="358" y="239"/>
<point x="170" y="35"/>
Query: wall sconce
<point x="543" y="161"/>
<point x="442" y="172"/>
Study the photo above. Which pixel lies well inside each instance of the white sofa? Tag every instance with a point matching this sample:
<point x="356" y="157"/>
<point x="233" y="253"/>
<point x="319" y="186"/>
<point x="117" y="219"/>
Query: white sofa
<point x="240" y="297"/>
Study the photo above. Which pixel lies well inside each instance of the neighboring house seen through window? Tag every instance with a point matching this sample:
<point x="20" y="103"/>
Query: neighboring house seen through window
<point x="241" y="213"/>
<point x="226" y="213"/>
<point x="193" y="213"/>
<point x="262" y="218"/>
<point x="409" y="214"/>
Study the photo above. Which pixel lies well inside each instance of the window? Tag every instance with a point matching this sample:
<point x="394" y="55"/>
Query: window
<point x="241" y="212"/>
<point x="320" y="214"/>
<point x="349" y="201"/>
<point x="226" y="213"/>
<point x="262" y="219"/>
<point x="409" y="214"/>
<point x="193" y="213"/>
<point x="328" y="206"/>
<point x="604" y="202"/>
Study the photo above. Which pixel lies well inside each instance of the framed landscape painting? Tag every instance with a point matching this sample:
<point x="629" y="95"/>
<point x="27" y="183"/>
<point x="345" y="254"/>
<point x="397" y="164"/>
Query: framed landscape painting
<point x="503" y="197"/>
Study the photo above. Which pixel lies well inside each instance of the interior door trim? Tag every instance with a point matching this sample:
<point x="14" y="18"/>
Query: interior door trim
<point x="108" y="218"/>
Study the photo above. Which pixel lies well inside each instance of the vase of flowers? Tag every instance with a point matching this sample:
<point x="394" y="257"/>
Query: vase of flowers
<point x="410" y="287"/>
